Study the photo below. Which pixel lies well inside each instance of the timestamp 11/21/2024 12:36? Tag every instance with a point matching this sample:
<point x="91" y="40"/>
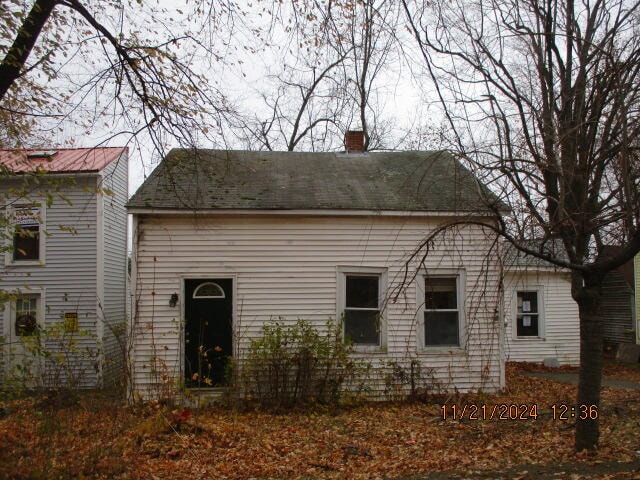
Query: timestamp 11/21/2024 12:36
<point x="523" y="411"/>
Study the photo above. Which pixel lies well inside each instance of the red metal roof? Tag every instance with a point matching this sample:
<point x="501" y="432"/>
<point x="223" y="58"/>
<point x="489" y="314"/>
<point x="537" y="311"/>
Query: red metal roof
<point x="61" y="160"/>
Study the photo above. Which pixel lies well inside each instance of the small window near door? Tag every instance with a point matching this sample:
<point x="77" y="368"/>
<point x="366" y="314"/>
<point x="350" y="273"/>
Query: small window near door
<point x="528" y="314"/>
<point x="362" y="309"/>
<point x="26" y="316"/>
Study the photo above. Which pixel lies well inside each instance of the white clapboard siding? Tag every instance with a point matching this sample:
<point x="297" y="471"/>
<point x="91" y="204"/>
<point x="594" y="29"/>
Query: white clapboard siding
<point x="84" y="270"/>
<point x="287" y="267"/>
<point x="561" y="334"/>
<point x="114" y="181"/>
<point x="68" y="277"/>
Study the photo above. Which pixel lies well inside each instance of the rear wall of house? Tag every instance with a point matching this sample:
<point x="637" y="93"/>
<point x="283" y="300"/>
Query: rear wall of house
<point x="560" y="334"/>
<point x="287" y="267"/>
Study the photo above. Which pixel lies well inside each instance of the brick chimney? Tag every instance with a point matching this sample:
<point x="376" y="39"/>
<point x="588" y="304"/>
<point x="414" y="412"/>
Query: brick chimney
<point x="354" y="141"/>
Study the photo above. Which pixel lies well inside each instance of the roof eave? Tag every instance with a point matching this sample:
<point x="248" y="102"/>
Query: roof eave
<point x="136" y="210"/>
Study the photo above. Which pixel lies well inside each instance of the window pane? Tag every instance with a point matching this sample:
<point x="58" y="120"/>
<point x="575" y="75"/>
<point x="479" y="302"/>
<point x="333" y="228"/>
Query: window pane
<point x="527" y="302"/>
<point x="527" y="325"/>
<point x="208" y="290"/>
<point x="362" y="292"/>
<point x="26" y="243"/>
<point x="26" y="315"/>
<point x="441" y="328"/>
<point x="361" y="326"/>
<point x="440" y="293"/>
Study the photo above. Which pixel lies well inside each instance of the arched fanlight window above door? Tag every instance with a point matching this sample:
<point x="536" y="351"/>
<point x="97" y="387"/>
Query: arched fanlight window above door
<point x="208" y="290"/>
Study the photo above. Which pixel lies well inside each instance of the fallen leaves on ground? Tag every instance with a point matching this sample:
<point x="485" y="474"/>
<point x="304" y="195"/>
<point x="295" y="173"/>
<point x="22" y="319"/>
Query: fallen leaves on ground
<point x="97" y="438"/>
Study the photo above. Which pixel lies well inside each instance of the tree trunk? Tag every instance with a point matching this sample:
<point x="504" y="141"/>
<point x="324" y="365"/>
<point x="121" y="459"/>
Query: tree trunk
<point x="16" y="57"/>
<point x="590" y="378"/>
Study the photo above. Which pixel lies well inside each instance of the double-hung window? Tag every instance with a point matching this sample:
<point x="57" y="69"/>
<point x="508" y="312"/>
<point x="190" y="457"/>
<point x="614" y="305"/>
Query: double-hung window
<point x="441" y="310"/>
<point x="528" y="316"/>
<point x="27" y="234"/>
<point x="361" y="293"/>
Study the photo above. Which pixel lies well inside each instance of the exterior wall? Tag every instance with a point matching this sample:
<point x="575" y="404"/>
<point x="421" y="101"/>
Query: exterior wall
<point x="68" y="278"/>
<point x="561" y="326"/>
<point x="114" y="268"/>
<point x="287" y="267"/>
<point x="616" y="309"/>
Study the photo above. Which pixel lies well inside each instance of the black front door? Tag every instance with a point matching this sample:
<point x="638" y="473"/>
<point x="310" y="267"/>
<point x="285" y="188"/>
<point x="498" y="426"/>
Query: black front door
<point x="208" y="331"/>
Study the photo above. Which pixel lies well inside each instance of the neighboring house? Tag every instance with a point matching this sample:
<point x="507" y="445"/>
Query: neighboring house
<point x="540" y="316"/>
<point x="63" y="269"/>
<point x="617" y="304"/>
<point x="226" y="241"/>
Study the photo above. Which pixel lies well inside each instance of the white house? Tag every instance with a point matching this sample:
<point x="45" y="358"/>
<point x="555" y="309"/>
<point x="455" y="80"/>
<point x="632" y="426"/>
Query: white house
<point x="225" y="241"/>
<point x="540" y="317"/>
<point x="63" y="266"/>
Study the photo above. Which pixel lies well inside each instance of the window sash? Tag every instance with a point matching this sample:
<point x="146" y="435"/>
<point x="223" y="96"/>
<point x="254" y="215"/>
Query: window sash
<point x="360" y="328"/>
<point x="26" y="243"/>
<point x="430" y="336"/>
<point x="533" y="329"/>
<point x="361" y="310"/>
<point x="25" y="229"/>
<point x="441" y="330"/>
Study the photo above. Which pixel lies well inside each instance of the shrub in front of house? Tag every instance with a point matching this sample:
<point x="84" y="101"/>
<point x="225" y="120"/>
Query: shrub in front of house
<point x="298" y="364"/>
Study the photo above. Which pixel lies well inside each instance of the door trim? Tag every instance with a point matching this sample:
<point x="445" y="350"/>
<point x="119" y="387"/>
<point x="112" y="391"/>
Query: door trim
<point x="183" y="312"/>
<point x="9" y="317"/>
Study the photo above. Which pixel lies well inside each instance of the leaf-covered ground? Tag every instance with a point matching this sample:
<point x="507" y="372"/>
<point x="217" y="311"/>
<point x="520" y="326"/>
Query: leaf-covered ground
<point x="95" y="437"/>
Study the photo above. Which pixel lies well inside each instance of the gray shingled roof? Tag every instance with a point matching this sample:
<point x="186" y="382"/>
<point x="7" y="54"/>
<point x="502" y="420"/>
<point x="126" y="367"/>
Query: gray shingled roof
<point x="554" y="248"/>
<point x="228" y="179"/>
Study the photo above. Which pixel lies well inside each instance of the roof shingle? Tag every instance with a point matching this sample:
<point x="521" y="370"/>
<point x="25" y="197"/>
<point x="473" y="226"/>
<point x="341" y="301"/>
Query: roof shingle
<point x="389" y="181"/>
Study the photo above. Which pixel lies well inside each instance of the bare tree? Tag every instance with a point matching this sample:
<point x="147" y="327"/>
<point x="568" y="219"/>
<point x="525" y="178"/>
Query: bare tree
<point x="337" y="58"/>
<point x="370" y="36"/>
<point x="543" y="99"/>
<point x="303" y="107"/>
<point x="82" y="62"/>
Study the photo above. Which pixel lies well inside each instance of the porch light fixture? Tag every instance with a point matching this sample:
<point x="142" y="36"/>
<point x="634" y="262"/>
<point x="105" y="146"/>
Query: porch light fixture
<point x="173" y="300"/>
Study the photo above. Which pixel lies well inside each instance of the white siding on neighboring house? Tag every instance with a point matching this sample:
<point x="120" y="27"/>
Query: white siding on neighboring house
<point x="114" y="260"/>
<point x="288" y="267"/>
<point x="68" y="277"/>
<point x="559" y="335"/>
<point x="616" y="308"/>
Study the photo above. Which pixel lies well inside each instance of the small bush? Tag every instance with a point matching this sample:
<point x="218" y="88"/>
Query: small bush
<point x="408" y="379"/>
<point x="299" y="364"/>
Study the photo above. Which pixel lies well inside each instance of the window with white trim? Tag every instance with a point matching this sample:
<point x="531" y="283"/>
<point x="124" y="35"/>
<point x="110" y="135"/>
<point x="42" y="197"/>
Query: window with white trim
<point x="360" y="305"/>
<point x="441" y="302"/>
<point x="26" y="315"/>
<point x="528" y="314"/>
<point x="26" y="223"/>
